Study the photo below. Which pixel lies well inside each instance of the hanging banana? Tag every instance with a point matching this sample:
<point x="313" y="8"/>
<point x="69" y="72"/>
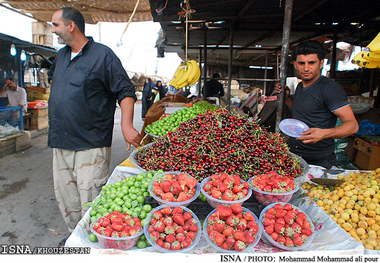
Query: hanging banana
<point x="183" y="81"/>
<point x="177" y="74"/>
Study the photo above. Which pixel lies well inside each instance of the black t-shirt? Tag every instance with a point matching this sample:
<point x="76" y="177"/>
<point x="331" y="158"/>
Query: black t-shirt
<point x="83" y="96"/>
<point x="314" y="105"/>
<point x="214" y="88"/>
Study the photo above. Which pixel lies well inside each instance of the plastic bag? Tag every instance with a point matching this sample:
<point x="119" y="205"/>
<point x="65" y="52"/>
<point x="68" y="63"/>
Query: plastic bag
<point x="366" y="127"/>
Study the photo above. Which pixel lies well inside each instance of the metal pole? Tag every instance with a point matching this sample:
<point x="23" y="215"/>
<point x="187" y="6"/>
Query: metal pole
<point x="204" y="59"/>
<point x="230" y="68"/>
<point x="284" y="60"/>
<point x="199" y="84"/>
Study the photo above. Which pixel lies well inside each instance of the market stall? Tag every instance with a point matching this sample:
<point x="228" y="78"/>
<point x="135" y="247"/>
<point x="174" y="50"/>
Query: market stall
<point x="173" y="151"/>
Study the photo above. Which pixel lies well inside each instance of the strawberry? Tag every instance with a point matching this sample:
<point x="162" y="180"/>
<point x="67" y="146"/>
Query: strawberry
<point x="166" y="210"/>
<point x="298" y="241"/>
<point x="159" y="227"/>
<point x="177" y="210"/>
<point x="190" y="234"/>
<point x="267" y="222"/>
<point x="215" y="193"/>
<point x="242" y="225"/>
<point x="232" y="220"/>
<point x="170" y="238"/>
<point x="154" y="236"/>
<point x="228" y="195"/>
<point x="274" y="236"/>
<point x="191" y="182"/>
<point x="187" y="215"/>
<point x="230" y="242"/>
<point x="249" y="216"/>
<point x="223" y="211"/>
<point x="187" y="242"/>
<point x="236" y="208"/>
<point x="269" y="229"/>
<point x="194" y="228"/>
<point x="289" y="232"/>
<point x="296" y="228"/>
<point x="178" y="218"/>
<point x="277" y="207"/>
<point x="228" y="231"/>
<point x="289" y="219"/>
<point x="175" y="245"/>
<point x="168" y="196"/>
<point x="219" y="226"/>
<point x="280" y="220"/>
<point x="280" y="213"/>
<point x="182" y="196"/>
<point x="249" y="237"/>
<point x="288" y="242"/>
<point x="239" y="235"/>
<point x="239" y="246"/>
<point x="166" y="245"/>
<point x="281" y="240"/>
<point x="207" y="187"/>
<point x="157" y="214"/>
<point x="165" y="186"/>
<point x="160" y="242"/>
<point x="306" y="224"/>
<point x="219" y="239"/>
<point x="288" y="207"/>
<point x="307" y="232"/>
<point x="280" y="229"/>
<point x="169" y="230"/>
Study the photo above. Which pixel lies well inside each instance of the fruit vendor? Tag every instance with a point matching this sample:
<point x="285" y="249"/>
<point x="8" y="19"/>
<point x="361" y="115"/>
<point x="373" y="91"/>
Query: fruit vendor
<point x="87" y="80"/>
<point x="318" y="101"/>
<point x="16" y="95"/>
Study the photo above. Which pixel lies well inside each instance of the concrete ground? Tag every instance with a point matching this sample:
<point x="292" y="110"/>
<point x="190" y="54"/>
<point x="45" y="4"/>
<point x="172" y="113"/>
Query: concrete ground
<point x="29" y="213"/>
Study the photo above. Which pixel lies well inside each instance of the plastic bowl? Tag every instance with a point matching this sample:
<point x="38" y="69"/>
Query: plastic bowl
<point x="259" y="233"/>
<point x="161" y="249"/>
<point x="216" y="202"/>
<point x="278" y="245"/>
<point x="267" y="198"/>
<point x="122" y="243"/>
<point x="171" y="204"/>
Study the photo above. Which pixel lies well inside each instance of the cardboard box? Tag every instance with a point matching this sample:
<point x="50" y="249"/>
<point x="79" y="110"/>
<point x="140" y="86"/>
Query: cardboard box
<point x="368" y="153"/>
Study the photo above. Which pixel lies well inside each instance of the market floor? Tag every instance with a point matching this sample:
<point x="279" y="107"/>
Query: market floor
<point x="29" y="213"/>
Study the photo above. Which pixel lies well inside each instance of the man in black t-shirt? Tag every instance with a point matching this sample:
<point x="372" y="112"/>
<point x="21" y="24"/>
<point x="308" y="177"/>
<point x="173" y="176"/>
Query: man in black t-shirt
<point x="318" y="102"/>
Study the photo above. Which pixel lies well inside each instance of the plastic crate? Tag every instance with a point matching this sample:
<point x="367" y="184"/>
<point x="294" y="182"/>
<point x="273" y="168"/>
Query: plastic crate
<point x="11" y="121"/>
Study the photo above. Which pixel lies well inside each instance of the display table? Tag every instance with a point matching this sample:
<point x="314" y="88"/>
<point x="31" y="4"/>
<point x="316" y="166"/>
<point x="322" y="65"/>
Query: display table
<point x="330" y="239"/>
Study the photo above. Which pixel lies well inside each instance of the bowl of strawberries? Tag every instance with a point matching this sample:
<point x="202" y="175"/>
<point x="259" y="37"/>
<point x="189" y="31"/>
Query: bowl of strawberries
<point x="117" y="230"/>
<point x="174" y="188"/>
<point x="172" y="229"/>
<point x="225" y="189"/>
<point x="286" y="226"/>
<point x="272" y="187"/>
<point x="232" y="228"/>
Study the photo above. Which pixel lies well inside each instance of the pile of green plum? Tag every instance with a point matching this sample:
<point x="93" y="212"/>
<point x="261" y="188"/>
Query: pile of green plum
<point x="172" y="121"/>
<point x="125" y="196"/>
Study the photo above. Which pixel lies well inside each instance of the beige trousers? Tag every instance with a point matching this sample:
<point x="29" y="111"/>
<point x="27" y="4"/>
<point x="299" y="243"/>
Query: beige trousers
<point x="78" y="177"/>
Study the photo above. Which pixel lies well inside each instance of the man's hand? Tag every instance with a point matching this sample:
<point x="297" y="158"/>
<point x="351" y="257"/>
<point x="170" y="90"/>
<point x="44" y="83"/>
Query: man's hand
<point x="313" y="135"/>
<point x="132" y="136"/>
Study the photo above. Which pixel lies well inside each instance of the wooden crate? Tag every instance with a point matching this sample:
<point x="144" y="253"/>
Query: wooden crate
<point x="39" y="122"/>
<point x="38" y="112"/>
<point x="8" y="144"/>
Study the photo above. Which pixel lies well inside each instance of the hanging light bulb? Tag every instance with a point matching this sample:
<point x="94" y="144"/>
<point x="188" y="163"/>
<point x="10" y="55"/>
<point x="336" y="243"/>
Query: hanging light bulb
<point x="23" y="55"/>
<point x="13" y="50"/>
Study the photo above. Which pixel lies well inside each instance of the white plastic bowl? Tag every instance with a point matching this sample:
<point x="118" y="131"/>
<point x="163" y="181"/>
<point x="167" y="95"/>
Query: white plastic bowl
<point x="257" y="239"/>
<point x="161" y="249"/>
<point x="216" y="202"/>
<point x="267" y="198"/>
<point x="278" y="245"/>
<point x="171" y="204"/>
<point x="122" y="243"/>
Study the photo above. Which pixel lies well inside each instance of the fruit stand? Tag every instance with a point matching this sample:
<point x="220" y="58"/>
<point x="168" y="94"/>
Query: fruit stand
<point x="218" y="171"/>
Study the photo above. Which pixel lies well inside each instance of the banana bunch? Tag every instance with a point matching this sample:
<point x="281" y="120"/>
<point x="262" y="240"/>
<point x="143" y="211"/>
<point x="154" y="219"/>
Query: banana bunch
<point x="187" y="73"/>
<point x="369" y="57"/>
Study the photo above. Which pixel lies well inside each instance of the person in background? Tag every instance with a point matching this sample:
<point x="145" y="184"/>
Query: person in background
<point x="87" y="80"/>
<point x="173" y="91"/>
<point x="213" y="88"/>
<point x="147" y="97"/>
<point x="159" y="91"/>
<point x="15" y="94"/>
<point x="318" y="101"/>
